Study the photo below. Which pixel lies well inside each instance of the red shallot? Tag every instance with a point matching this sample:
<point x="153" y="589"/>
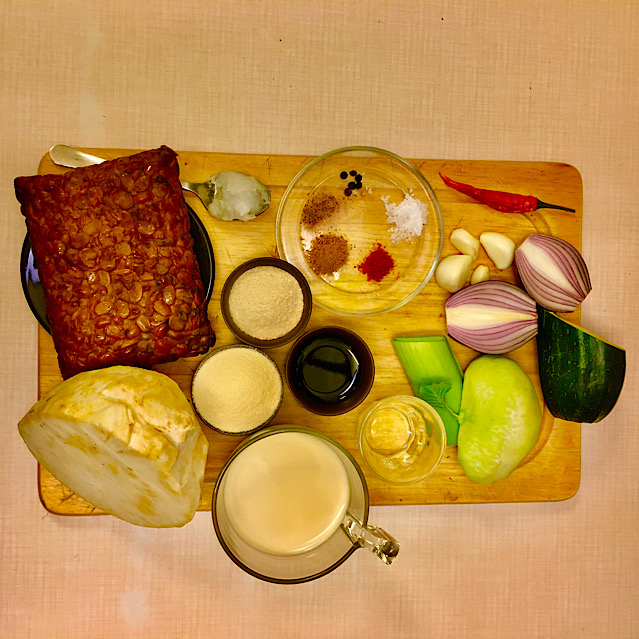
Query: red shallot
<point x="553" y="272"/>
<point x="491" y="317"/>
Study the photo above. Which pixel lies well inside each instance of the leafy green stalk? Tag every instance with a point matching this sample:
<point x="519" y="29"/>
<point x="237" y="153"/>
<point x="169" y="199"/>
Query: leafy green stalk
<point x="434" y="376"/>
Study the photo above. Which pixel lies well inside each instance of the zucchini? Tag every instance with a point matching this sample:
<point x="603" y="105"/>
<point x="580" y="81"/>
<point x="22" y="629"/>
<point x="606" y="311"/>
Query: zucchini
<point x="581" y="374"/>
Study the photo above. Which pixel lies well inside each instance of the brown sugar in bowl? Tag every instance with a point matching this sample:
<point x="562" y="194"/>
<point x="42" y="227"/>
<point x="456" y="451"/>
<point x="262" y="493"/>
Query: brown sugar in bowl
<point x="267" y="302"/>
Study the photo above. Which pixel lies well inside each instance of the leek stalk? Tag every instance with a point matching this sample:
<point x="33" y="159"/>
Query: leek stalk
<point x="434" y="375"/>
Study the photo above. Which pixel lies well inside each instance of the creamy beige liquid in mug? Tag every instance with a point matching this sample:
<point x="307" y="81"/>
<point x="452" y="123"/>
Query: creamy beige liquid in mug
<point x="287" y="493"/>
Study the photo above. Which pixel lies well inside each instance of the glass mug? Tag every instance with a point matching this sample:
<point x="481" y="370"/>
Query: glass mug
<point x="291" y="505"/>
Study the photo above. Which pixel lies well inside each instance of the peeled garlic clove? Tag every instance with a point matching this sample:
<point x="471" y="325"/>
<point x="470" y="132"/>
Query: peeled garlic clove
<point x="465" y="243"/>
<point x="553" y="272"/>
<point x="480" y="274"/>
<point x="500" y="249"/>
<point x="491" y="317"/>
<point x="453" y="271"/>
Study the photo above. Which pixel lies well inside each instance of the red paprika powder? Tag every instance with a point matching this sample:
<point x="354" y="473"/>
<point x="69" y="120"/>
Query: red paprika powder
<point x="377" y="265"/>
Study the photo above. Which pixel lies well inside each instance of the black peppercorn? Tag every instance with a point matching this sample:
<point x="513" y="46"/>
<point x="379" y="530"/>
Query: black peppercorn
<point x="343" y="175"/>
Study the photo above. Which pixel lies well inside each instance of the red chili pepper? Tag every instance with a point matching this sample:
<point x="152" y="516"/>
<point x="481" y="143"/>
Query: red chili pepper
<point x="502" y="201"/>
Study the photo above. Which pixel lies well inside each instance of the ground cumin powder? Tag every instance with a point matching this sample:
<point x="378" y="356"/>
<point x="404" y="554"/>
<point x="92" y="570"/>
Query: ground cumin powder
<point x="328" y="253"/>
<point x="320" y="207"/>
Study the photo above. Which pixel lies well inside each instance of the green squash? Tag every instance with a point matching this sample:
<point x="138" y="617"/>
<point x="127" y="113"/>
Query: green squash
<point x="581" y="374"/>
<point x="500" y="418"/>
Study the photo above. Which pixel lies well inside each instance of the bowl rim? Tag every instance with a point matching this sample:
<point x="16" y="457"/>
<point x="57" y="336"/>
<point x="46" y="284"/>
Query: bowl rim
<point x="252" y="430"/>
<point x="420" y="178"/>
<point x="307" y="302"/>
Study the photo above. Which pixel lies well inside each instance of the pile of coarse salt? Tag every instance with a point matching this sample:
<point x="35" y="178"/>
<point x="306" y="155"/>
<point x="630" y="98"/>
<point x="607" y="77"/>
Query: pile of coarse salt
<point x="408" y="217"/>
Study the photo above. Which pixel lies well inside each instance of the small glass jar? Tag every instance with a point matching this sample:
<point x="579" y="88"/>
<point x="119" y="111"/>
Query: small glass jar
<point x="402" y="439"/>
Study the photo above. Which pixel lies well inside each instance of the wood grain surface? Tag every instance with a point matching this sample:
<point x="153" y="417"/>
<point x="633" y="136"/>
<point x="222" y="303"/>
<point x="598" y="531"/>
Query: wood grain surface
<point x="551" y="472"/>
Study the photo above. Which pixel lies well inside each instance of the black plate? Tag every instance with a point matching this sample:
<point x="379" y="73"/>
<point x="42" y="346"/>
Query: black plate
<point x="35" y="295"/>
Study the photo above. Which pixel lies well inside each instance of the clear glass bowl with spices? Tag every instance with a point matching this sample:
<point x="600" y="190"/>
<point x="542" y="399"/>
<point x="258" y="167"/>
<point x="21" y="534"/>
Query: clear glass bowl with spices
<point x="364" y="227"/>
<point x="266" y="302"/>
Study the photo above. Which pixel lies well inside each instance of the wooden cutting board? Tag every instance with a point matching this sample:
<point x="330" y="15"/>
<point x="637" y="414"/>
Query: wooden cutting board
<point x="552" y="470"/>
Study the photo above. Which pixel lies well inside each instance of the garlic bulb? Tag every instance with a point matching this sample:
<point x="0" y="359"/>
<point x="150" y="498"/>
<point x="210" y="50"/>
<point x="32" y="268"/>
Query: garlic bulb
<point x="553" y="272"/>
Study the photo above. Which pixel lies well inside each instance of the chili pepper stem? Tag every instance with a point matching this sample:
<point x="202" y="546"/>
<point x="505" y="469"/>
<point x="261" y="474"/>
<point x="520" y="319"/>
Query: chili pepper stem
<point x="543" y="205"/>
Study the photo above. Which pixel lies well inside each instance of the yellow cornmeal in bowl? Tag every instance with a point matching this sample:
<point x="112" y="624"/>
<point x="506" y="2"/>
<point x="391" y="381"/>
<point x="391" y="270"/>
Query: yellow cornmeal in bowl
<point x="266" y="302"/>
<point x="237" y="389"/>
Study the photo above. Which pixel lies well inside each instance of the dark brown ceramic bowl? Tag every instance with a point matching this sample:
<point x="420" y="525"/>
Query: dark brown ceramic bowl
<point x="330" y="370"/>
<point x="283" y="339"/>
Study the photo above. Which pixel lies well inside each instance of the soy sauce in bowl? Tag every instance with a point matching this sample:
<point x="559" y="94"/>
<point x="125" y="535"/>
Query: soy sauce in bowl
<point x="330" y="370"/>
<point x="327" y="369"/>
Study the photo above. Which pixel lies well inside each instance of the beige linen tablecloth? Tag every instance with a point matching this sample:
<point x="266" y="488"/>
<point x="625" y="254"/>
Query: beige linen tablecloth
<point x="506" y="80"/>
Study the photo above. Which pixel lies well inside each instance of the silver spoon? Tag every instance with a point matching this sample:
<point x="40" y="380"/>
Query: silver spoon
<point x="228" y="195"/>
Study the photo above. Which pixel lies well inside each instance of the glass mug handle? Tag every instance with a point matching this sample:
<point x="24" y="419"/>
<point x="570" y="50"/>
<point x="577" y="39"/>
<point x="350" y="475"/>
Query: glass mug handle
<point x="378" y="541"/>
